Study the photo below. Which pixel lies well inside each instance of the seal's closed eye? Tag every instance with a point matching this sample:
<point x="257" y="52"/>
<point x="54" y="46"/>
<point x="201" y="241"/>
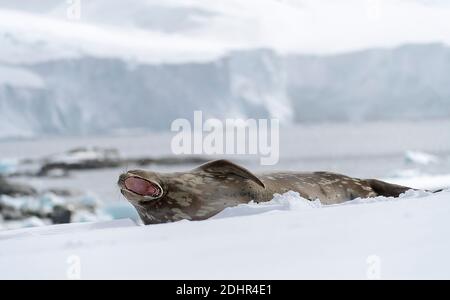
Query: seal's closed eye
<point x="225" y="167"/>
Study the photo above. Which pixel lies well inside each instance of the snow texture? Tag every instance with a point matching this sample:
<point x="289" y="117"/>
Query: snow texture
<point x="287" y="238"/>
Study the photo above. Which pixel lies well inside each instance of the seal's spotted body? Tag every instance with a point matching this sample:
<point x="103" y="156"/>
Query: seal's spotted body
<point x="203" y="192"/>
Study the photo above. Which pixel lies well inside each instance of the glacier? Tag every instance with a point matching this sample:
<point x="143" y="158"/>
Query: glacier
<point x="90" y="95"/>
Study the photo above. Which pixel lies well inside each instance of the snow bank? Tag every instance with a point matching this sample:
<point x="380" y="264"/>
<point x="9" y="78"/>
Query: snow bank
<point x="288" y="201"/>
<point x="381" y="238"/>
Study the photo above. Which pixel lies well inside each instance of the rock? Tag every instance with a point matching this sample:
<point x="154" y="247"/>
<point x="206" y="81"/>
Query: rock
<point x="61" y="215"/>
<point x="60" y="192"/>
<point x="80" y="159"/>
<point x="15" y="189"/>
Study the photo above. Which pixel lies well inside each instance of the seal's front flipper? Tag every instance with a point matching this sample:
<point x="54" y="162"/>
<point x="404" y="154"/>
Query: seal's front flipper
<point x="387" y="189"/>
<point x="224" y="167"/>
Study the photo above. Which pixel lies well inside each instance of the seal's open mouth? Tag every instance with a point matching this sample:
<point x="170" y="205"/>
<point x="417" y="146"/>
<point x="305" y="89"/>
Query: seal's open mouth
<point x="142" y="187"/>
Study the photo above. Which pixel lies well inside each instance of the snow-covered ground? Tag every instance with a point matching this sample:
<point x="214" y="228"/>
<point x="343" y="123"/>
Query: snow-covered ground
<point x="288" y="238"/>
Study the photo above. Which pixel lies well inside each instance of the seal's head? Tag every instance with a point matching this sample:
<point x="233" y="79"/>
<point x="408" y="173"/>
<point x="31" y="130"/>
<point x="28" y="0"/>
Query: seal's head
<point x="194" y="195"/>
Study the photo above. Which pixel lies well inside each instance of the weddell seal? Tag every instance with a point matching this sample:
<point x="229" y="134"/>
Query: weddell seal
<point x="205" y="191"/>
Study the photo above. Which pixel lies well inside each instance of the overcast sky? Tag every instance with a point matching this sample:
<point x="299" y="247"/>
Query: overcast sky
<point x="306" y="26"/>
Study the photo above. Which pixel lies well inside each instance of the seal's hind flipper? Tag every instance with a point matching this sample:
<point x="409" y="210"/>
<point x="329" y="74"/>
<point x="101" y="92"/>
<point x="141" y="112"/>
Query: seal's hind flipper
<point x="387" y="189"/>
